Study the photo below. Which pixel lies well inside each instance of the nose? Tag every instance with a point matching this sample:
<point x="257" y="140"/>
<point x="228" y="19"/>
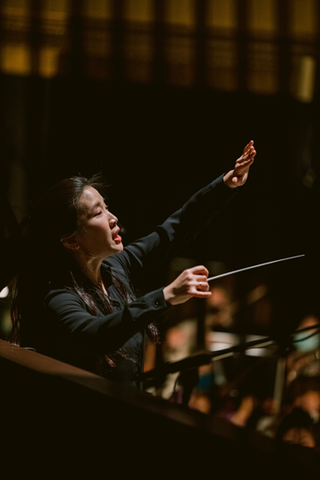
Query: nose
<point x="113" y="221"/>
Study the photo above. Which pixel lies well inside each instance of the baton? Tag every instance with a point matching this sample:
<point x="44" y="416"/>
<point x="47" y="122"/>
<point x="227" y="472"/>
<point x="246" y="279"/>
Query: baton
<point x="254" y="266"/>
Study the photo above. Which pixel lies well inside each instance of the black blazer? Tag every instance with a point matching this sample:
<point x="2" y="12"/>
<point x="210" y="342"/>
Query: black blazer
<point x="70" y="333"/>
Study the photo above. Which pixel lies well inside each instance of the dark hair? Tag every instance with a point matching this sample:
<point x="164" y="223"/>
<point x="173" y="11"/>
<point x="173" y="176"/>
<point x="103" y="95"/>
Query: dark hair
<point x="45" y="260"/>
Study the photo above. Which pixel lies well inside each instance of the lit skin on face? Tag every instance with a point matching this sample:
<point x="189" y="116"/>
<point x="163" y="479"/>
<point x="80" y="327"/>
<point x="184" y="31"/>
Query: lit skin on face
<point x="99" y="236"/>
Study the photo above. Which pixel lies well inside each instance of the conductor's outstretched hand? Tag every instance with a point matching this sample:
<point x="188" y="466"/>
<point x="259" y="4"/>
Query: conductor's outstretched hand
<point x="239" y="174"/>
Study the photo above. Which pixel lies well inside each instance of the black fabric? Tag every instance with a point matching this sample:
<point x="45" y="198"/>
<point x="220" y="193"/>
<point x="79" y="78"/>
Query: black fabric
<point x="67" y="331"/>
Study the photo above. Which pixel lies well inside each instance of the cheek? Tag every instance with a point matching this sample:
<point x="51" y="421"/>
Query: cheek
<point x="94" y="238"/>
<point x="100" y="235"/>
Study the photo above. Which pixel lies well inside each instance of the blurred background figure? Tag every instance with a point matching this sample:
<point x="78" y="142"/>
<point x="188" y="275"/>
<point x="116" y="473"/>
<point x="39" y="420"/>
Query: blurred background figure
<point x="297" y="428"/>
<point x="305" y="357"/>
<point x="220" y="322"/>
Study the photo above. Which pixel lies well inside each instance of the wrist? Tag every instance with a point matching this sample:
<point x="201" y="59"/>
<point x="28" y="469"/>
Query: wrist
<point x="227" y="179"/>
<point x="167" y="293"/>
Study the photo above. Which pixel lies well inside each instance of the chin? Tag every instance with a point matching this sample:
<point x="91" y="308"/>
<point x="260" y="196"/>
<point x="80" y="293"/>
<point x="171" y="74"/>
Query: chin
<point x="117" y="249"/>
<point x="120" y="248"/>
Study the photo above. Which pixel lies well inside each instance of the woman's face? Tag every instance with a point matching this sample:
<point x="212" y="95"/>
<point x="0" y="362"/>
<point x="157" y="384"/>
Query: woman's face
<point x="99" y="234"/>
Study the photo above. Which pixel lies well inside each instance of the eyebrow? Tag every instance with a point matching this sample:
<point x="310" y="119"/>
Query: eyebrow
<point x="86" y="210"/>
<point x="98" y="204"/>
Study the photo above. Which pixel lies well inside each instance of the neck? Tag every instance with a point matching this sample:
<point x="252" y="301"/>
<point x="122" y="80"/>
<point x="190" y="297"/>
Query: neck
<point x="91" y="268"/>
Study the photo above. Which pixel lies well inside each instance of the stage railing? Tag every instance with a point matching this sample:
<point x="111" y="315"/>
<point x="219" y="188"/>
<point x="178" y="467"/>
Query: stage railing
<point x="56" y="418"/>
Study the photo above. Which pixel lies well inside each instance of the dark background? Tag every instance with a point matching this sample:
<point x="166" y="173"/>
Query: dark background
<point x="156" y="144"/>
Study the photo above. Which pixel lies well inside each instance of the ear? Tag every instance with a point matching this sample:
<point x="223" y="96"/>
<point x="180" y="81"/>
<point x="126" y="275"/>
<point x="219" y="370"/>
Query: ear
<point x="69" y="242"/>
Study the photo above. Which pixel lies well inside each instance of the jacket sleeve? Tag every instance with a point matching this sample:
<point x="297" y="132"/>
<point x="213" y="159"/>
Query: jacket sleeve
<point x="69" y="318"/>
<point x="70" y="321"/>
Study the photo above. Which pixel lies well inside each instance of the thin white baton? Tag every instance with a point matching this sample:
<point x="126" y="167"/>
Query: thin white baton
<point x="254" y="266"/>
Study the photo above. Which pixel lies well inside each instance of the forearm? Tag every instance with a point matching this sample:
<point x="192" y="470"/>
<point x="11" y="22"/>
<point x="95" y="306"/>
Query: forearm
<point x="102" y="334"/>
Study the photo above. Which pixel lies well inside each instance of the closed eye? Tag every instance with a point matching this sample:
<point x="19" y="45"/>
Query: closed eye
<point x="98" y="209"/>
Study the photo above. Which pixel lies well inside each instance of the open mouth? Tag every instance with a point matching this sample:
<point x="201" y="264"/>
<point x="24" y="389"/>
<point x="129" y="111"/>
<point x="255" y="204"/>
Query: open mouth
<point x="116" y="237"/>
